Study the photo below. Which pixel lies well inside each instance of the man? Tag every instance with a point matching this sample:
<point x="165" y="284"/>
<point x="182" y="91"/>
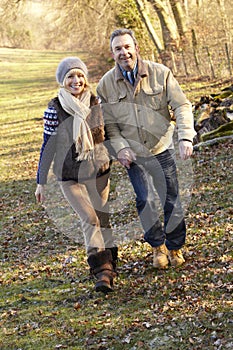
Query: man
<point x="138" y="98"/>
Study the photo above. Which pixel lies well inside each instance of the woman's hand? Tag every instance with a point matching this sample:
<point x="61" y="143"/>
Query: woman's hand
<point x="40" y="193"/>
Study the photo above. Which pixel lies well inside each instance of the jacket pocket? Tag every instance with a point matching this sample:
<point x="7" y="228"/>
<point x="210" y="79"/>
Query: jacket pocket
<point x="119" y="106"/>
<point x="153" y="96"/>
<point x="115" y="98"/>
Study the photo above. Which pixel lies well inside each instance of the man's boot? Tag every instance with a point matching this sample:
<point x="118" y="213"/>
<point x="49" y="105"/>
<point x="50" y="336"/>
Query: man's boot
<point x="176" y="257"/>
<point x="160" y="257"/>
<point x="101" y="265"/>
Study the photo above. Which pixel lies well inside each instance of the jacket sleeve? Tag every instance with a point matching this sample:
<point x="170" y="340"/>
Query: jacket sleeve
<point x="48" y="148"/>
<point x="181" y="108"/>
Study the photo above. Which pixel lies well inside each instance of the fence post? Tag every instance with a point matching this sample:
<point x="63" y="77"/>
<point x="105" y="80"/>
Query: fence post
<point x="210" y="62"/>
<point x="228" y="59"/>
<point x="184" y="63"/>
<point x="194" y="42"/>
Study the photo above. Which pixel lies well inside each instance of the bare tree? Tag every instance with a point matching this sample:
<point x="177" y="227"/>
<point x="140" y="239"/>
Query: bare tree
<point x="142" y="8"/>
<point x="169" y="29"/>
<point x="84" y="24"/>
<point x="180" y="15"/>
<point x="162" y="27"/>
<point x="224" y="19"/>
<point x="13" y="28"/>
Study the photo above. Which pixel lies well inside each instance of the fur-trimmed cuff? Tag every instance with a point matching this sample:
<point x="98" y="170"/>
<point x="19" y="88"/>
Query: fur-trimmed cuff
<point x="100" y="258"/>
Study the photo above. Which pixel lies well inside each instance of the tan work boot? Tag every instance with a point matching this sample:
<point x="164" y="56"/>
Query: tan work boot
<point x="176" y="257"/>
<point x="160" y="257"/>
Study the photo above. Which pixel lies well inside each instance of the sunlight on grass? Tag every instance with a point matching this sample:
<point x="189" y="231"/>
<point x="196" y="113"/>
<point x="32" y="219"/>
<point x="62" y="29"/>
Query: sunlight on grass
<point x="47" y="299"/>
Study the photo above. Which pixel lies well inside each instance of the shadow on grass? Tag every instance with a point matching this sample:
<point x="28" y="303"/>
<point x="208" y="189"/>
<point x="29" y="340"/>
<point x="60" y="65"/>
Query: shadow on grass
<point x="47" y="296"/>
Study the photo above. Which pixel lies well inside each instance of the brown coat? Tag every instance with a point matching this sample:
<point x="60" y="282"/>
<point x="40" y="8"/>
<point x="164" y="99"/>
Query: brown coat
<point x="66" y="167"/>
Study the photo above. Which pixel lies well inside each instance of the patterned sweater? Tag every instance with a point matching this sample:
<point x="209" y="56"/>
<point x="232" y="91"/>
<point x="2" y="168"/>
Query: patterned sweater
<point x="50" y="129"/>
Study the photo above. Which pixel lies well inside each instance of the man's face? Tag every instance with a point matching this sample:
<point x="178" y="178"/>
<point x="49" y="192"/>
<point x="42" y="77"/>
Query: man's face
<point x="124" y="51"/>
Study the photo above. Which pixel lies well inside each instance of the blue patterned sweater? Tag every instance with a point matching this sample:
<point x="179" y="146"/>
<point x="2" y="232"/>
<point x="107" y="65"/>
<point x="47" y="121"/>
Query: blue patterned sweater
<point x="49" y="144"/>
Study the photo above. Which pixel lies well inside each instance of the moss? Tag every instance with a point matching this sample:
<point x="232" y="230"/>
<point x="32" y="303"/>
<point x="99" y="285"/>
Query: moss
<point x="223" y="130"/>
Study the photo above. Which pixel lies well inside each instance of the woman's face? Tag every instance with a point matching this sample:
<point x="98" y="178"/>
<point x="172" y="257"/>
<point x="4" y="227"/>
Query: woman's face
<point x="75" y="82"/>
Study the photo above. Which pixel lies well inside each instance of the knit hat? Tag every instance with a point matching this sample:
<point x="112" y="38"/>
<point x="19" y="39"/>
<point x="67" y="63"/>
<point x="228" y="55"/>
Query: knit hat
<point x="66" y="65"/>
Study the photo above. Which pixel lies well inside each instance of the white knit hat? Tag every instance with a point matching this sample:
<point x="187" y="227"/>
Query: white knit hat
<point x="66" y="65"/>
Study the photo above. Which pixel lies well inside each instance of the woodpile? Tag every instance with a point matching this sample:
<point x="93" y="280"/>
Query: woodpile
<point x="213" y="116"/>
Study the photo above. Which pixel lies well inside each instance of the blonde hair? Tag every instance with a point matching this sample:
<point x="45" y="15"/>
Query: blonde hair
<point x="77" y="70"/>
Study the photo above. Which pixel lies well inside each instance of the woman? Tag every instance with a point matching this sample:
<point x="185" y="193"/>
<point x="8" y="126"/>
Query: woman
<point x="73" y="138"/>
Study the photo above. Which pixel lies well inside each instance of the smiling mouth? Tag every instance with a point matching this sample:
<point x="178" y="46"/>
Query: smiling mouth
<point x="126" y="58"/>
<point x="76" y="86"/>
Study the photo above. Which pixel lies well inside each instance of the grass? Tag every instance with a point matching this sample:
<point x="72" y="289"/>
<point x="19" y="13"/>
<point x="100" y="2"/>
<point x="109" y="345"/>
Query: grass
<point x="47" y="299"/>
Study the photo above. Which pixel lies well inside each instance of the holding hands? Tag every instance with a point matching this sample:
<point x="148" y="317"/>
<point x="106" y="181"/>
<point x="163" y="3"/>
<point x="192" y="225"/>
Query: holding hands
<point x="126" y="156"/>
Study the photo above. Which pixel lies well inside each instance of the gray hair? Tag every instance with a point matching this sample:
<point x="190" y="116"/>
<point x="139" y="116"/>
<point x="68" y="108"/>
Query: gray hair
<point x="122" y="31"/>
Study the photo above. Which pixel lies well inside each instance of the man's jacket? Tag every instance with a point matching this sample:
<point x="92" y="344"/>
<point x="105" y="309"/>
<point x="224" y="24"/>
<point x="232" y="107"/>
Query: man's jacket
<point x="140" y="116"/>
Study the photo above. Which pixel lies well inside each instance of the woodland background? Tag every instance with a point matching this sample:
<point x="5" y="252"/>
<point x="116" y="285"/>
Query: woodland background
<point x="192" y="37"/>
<point x="47" y="300"/>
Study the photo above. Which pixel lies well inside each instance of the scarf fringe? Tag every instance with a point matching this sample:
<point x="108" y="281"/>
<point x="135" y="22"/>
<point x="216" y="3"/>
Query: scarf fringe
<point x="86" y="155"/>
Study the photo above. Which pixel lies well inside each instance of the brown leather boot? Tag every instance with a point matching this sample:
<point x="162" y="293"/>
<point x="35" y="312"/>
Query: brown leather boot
<point x="101" y="265"/>
<point x="114" y="251"/>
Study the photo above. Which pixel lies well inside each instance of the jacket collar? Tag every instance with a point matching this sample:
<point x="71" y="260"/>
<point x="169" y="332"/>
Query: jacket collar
<point x="142" y="70"/>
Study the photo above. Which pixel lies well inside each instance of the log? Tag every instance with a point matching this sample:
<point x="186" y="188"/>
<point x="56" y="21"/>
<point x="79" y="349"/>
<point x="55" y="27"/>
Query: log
<point x="211" y="142"/>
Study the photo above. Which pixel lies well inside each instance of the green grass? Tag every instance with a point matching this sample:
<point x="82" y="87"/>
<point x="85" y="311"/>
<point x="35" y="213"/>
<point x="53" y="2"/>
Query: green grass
<point x="47" y="299"/>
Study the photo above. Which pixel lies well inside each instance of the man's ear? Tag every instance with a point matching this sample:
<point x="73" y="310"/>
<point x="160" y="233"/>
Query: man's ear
<point x="112" y="55"/>
<point x="137" y="48"/>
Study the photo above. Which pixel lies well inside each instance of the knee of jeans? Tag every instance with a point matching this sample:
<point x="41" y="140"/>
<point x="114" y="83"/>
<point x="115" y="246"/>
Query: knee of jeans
<point x="155" y="235"/>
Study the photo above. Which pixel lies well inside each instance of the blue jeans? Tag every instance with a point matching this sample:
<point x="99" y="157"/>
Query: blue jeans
<point x="159" y="173"/>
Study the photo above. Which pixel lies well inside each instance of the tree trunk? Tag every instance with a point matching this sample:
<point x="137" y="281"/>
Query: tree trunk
<point x="225" y="21"/>
<point x="180" y="17"/>
<point x="170" y="33"/>
<point x="143" y="13"/>
<point x="195" y="51"/>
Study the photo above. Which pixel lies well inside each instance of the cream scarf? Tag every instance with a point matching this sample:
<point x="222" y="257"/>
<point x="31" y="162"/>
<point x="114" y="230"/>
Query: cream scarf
<point x="79" y="109"/>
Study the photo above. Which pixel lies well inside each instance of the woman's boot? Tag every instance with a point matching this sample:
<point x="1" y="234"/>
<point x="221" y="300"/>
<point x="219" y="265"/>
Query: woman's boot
<point x="101" y="265"/>
<point x="114" y="251"/>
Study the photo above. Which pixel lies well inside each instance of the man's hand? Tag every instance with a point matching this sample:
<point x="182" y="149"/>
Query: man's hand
<point x="40" y="196"/>
<point x="126" y="156"/>
<point x="185" y="149"/>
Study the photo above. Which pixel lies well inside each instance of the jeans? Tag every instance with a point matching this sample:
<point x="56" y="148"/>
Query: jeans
<point x="159" y="173"/>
